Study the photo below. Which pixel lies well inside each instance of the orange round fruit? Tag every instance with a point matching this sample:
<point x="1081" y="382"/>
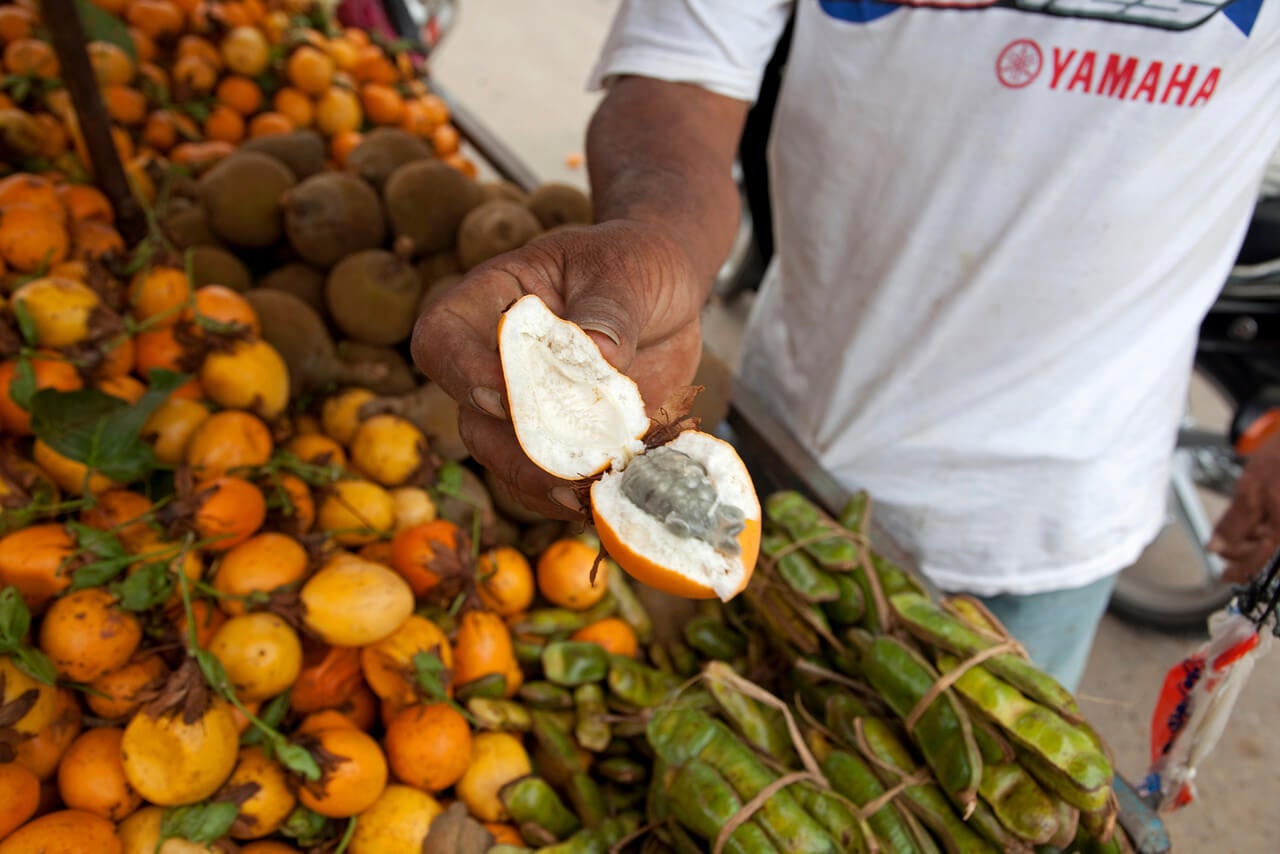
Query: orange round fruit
<point x="351" y="786"/>
<point x="257" y="567"/>
<point x="272" y="801"/>
<point x="224" y="124"/>
<point x="48" y="372"/>
<point x="338" y="111"/>
<point x="249" y="374"/>
<point x="428" y="747"/>
<point x="356" y="512"/>
<point x="330" y="674"/>
<point x="564" y="575"/>
<point x="118" y="694"/>
<point x="233" y="512"/>
<point x="295" y="106"/>
<point x="421" y="553"/>
<point x="240" y="94"/>
<point x="260" y="653"/>
<point x="226" y="441"/>
<point x="353" y="602"/>
<point x="22" y="793"/>
<point x="91" y="775"/>
<point x="613" y="634"/>
<point x="64" y="832"/>
<point x="482" y="647"/>
<point x="86" y="203"/>
<point x="171" y="761"/>
<point x="60" y="310"/>
<point x="159" y="295"/>
<point x="86" y="634"/>
<point x="497" y="758"/>
<point x="270" y="124"/>
<point x="170" y="427"/>
<point x="246" y="51"/>
<point x="387" y="664"/>
<point x="70" y="475"/>
<point x="32" y="559"/>
<point x="222" y="308"/>
<point x="31" y="238"/>
<point x="504" y="581"/>
<point x="310" y="70"/>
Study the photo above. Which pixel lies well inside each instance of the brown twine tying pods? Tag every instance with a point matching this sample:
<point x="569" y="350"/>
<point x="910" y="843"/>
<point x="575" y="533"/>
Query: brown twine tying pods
<point x="949" y="679"/>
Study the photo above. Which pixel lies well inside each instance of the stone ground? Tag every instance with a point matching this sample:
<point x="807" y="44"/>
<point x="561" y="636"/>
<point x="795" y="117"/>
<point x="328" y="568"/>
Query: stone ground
<point x="522" y="68"/>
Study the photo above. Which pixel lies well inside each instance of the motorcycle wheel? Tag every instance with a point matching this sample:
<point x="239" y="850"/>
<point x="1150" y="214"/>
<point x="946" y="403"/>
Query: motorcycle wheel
<point x="1176" y="584"/>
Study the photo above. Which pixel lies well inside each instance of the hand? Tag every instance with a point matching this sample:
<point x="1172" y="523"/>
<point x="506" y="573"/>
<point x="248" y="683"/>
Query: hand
<point x="1249" y="531"/>
<point x="627" y="284"/>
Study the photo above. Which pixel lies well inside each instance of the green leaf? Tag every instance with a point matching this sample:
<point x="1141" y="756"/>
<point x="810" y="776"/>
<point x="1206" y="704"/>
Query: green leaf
<point x="103" y="544"/>
<point x="298" y="759"/>
<point x="449" y="480"/>
<point x="15" y="619"/>
<point x="23" y="385"/>
<point x="203" y="823"/>
<point x="305" y="826"/>
<point x="429" y="674"/>
<point x="26" y="323"/>
<point x="272" y="714"/>
<point x="101" y="431"/>
<point x="100" y="572"/>
<point x="36" y="664"/>
<point x="101" y="26"/>
<point x="143" y="590"/>
<point x="213" y="672"/>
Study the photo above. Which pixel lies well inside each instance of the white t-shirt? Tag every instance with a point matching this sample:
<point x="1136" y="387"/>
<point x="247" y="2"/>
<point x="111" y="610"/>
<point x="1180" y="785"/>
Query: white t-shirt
<point x="998" y="227"/>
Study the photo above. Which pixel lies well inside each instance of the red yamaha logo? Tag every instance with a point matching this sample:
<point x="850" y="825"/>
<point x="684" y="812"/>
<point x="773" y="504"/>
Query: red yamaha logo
<point x="1019" y="63"/>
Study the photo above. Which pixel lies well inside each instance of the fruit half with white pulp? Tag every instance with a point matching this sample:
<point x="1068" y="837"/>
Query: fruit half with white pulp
<point x="683" y="516"/>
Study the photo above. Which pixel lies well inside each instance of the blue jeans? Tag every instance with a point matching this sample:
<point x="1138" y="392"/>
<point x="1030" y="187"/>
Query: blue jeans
<point x="1056" y="628"/>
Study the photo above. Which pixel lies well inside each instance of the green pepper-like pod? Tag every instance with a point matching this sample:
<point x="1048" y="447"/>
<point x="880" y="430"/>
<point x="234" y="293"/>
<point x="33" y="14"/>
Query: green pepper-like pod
<point x="597" y="840"/>
<point x="1058" y="782"/>
<point x="894" y="579"/>
<point x="853" y="514"/>
<point x="984" y="821"/>
<point x="638" y="686"/>
<point x="508" y="849"/>
<point x="573" y="663"/>
<point x="620" y="799"/>
<point x="840" y="822"/>
<point x="934" y="626"/>
<point x="532" y="800"/>
<point x="683" y="659"/>
<point x="1068" y="824"/>
<point x="660" y="657"/>
<point x="490" y="686"/>
<point x="1013" y="794"/>
<point x="591" y="730"/>
<point x="849" y="607"/>
<point x="629" y="606"/>
<point x="878" y="742"/>
<point x="942" y="732"/>
<point x="798" y="570"/>
<point x="713" y="639"/>
<point x="779" y="618"/>
<point x="1034" y="727"/>
<point x="621" y="769"/>
<point x="545" y="695"/>
<point x="762" y="726"/>
<point x="561" y="621"/>
<point x="528" y="650"/>
<point x="702" y="801"/>
<point x="587" y="798"/>
<point x="1085" y="843"/>
<point x="499" y="715"/>
<point x="557" y="755"/>
<point x="851" y="777"/>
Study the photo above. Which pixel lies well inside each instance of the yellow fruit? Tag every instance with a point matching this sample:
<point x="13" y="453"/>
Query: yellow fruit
<point x="397" y="823"/>
<point x="261" y="654"/>
<point x="497" y="758"/>
<point x="388" y="449"/>
<point x="340" y="414"/>
<point x="356" y="512"/>
<point x="353" y="602"/>
<point x="171" y="762"/>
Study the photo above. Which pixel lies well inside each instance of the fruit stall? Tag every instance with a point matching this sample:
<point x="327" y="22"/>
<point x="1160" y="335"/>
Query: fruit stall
<point x="254" y="595"/>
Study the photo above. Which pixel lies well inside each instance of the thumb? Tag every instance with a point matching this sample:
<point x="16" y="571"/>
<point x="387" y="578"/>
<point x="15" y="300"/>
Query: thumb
<point x="612" y="324"/>
<point x="1242" y="515"/>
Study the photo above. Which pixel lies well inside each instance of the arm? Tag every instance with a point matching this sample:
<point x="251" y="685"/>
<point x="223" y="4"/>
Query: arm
<point x="666" y="208"/>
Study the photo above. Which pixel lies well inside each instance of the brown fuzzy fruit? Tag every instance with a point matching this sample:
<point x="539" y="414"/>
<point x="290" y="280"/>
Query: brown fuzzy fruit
<point x="555" y="204"/>
<point x="213" y="265"/>
<point x="373" y="297"/>
<point x="186" y="224"/>
<point x="330" y="216"/>
<point x="303" y="151"/>
<point x="383" y="151"/>
<point x="399" y="379"/>
<point x="299" y="280"/>
<point x="438" y="265"/>
<point x="242" y="198"/>
<point x="505" y="190"/>
<point x="426" y="202"/>
<point x="494" y="228"/>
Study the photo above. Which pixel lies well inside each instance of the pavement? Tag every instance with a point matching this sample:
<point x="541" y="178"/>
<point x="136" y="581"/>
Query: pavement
<point x="522" y="68"/>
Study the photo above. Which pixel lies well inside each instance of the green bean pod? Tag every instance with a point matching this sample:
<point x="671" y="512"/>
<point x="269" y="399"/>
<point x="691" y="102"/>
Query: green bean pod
<point x="591" y="729"/>
<point x="620" y="799"/>
<point x="683" y="659"/>
<point x="713" y="639"/>
<point x="760" y="725"/>
<point x="925" y="800"/>
<point x="499" y="715"/>
<point x="545" y="622"/>
<point x="851" y="777"/>
<point x="490" y="687"/>
<point x="528" y="650"/>
<point x="894" y="579"/>
<point x="532" y="800"/>
<point x="1012" y="793"/>
<point x="974" y="614"/>
<point x="629" y="606"/>
<point x="702" y="800"/>
<point x="779" y="618"/>
<point x="840" y="822"/>
<point x="1060" y="783"/>
<point x="1068" y="824"/>
<point x="1035" y="728"/>
<point x="799" y="571"/>
<point x="573" y="663"/>
<point x="545" y="695"/>
<point x="621" y="769"/>
<point x="849" y="607"/>
<point x="557" y="754"/>
<point x="508" y="849"/>
<point x="597" y="840"/>
<point x="943" y="732"/>
<point x="985" y="822"/>
<point x="587" y="798"/>
<point x="660" y="657"/>
<point x="678" y="734"/>
<point x="933" y="625"/>
<point x="854" y="512"/>
<point x="638" y="686"/>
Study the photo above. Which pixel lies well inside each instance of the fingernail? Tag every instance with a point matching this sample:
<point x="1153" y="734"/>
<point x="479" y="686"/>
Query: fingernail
<point x="489" y="402"/>
<point x="603" y="330"/>
<point x="566" y="498"/>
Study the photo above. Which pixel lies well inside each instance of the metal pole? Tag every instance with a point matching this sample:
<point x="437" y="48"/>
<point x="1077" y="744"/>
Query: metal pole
<point x="67" y="33"/>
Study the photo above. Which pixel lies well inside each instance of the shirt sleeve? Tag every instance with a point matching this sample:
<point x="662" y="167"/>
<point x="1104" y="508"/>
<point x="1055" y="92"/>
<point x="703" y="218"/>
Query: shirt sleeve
<point x="720" y="45"/>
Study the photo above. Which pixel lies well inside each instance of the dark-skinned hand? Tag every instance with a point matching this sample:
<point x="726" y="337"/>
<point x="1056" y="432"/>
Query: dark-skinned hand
<point x="1249" y="532"/>
<point x="631" y="288"/>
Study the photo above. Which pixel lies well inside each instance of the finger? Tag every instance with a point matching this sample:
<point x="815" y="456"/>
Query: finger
<point x="1243" y="515"/>
<point x="455" y="341"/>
<point x="493" y="444"/>
<point x="1243" y="567"/>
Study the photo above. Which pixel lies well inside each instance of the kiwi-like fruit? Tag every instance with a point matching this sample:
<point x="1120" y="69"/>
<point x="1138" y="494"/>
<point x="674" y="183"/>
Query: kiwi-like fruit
<point x="437" y="289"/>
<point x="241" y="196"/>
<point x="330" y="216"/>
<point x="493" y="228"/>
<point x="440" y="264"/>
<point x="298" y="333"/>
<point x="213" y="265"/>
<point x="373" y="297"/>
<point x="383" y="151"/>
<point x="300" y="280"/>
<point x="503" y="190"/>
<point x="399" y="378"/>
<point x="186" y="224"/>
<point x="426" y="202"/>
<point x="303" y="151"/>
<point x="555" y="204"/>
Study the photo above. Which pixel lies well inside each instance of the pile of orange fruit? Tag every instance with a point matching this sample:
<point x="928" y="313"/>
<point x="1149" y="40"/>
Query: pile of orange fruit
<point x="224" y="615"/>
<point x="188" y="80"/>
